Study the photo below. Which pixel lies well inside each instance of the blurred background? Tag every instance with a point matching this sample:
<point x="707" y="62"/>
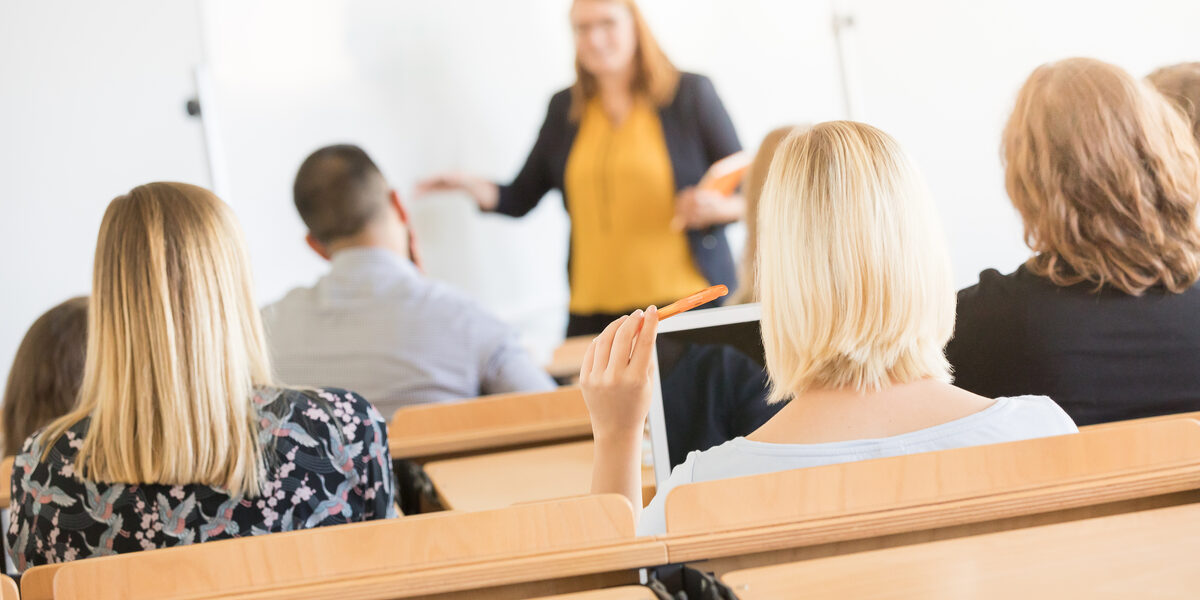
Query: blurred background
<point x="93" y="95"/>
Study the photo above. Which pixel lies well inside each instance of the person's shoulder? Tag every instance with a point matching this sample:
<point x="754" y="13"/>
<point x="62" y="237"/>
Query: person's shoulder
<point x="1035" y="416"/>
<point x="560" y="104"/>
<point x="319" y="403"/>
<point x="297" y="296"/>
<point x="692" y="81"/>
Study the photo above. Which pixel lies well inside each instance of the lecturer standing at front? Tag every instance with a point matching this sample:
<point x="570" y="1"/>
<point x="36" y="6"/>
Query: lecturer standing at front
<point x="626" y="145"/>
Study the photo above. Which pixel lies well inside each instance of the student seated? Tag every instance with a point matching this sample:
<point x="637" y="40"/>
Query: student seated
<point x="45" y="376"/>
<point x="181" y="434"/>
<point x="857" y="301"/>
<point x="1105" y="317"/>
<point x="1181" y="84"/>
<point x="375" y="323"/>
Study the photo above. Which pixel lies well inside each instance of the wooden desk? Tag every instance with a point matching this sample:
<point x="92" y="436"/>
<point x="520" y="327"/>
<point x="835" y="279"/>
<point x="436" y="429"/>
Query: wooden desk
<point x="1134" y="555"/>
<point x="625" y="592"/>
<point x="1111" y="424"/>
<point x="6" y="469"/>
<point x="568" y="357"/>
<point x="505" y="478"/>
<point x="489" y="422"/>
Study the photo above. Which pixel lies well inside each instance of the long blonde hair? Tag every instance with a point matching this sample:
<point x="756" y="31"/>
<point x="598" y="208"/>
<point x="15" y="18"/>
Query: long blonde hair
<point x="752" y="189"/>
<point x="655" y="77"/>
<point x="854" y="273"/>
<point x="1106" y="176"/>
<point x="175" y="347"/>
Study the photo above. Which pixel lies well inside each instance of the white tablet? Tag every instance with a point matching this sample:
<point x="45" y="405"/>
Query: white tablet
<point x="709" y="369"/>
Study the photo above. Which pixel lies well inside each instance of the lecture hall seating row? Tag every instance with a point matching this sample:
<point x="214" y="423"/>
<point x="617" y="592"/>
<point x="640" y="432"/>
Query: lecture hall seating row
<point x="891" y="505"/>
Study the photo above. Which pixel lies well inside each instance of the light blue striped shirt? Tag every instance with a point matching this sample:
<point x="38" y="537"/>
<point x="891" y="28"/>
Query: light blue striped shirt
<point x="376" y="326"/>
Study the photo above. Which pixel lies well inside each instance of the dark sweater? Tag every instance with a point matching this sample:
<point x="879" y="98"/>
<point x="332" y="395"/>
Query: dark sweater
<point x="1104" y="356"/>
<point x="698" y="132"/>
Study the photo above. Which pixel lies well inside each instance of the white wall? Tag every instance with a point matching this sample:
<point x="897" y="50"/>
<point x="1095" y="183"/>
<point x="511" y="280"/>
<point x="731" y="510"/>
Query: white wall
<point x="942" y="75"/>
<point x="91" y="105"/>
<point x="425" y="88"/>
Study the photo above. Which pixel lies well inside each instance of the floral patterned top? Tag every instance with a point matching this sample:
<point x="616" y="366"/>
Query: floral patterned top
<point x="327" y="463"/>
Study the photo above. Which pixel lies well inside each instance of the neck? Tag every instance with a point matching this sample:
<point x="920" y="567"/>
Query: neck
<point x="374" y="237"/>
<point x="615" y="85"/>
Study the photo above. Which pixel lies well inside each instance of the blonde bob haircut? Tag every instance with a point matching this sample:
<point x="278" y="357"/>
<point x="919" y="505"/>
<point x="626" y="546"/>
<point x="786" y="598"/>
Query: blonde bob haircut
<point x="175" y="347"/>
<point x="853" y="273"/>
<point x="655" y="77"/>
<point x="1106" y="176"/>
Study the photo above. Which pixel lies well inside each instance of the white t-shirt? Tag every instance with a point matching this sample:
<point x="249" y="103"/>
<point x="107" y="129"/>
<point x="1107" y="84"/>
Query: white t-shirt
<point x="1006" y="420"/>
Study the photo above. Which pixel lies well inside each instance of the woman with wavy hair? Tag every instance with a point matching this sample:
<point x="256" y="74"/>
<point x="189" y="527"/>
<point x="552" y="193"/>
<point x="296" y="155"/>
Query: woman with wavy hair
<point x="1105" y="316"/>
<point x="180" y="434"/>
<point x="857" y="303"/>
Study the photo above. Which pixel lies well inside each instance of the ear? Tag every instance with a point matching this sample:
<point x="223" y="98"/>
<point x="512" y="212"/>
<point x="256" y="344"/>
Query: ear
<point x="394" y="200"/>
<point x="413" y="254"/>
<point x="317" y="246"/>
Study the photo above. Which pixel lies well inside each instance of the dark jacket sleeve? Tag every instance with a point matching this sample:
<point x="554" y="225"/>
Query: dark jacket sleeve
<point x="716" y="128"/>
<point x="537" y="176"/>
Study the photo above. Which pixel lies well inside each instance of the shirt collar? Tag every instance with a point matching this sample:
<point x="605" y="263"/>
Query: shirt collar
<point x="365" y="258"/>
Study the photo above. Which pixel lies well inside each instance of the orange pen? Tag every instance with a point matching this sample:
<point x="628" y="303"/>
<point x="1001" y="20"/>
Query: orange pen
<point x="690" y="302"/>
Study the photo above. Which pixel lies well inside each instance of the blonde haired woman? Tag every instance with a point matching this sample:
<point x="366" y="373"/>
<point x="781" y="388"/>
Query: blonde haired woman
<point x="1105" y="317"/>
<point x="626" y="145"/>
<point x="180" y="435"/>
<point x="857" y="304"/>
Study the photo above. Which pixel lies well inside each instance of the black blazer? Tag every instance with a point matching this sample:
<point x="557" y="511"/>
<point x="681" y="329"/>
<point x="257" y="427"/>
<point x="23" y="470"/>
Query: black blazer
<point x="698" y="132"/>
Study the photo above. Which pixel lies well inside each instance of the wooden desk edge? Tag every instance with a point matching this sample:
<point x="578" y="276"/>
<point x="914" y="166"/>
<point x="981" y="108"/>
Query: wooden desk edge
<point x="874" y="523"/>
<point x="476" y="575"/>
<point x="498" y="439"/>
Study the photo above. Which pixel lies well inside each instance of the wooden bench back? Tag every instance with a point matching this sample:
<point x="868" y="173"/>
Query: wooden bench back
<point x="489" y="422"/>
<point x="874" y="498"/>
<point x="425" y="554"/>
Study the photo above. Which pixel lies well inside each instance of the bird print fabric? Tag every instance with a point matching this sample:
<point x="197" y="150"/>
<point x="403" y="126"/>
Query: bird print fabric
<point x="326" y="458"/>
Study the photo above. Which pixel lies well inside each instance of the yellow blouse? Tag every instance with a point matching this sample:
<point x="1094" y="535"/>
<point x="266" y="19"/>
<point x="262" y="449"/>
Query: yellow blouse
<point x="621" y="198"/>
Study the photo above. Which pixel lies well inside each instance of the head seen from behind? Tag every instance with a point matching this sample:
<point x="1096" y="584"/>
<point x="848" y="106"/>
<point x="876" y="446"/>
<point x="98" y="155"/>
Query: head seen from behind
<point x="613" y="42"/>
<point x="43" y="383"/>
<point x="1181" y="85"/>
<point x="345" y="201"/>
<point x="853" y="273"/>
<point x="175" y="346"/>
<point x="1106" y="176"/>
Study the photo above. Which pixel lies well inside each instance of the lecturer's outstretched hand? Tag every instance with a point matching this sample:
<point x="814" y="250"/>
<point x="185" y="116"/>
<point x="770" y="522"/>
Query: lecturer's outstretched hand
<point x="485" y="193"/>
<point x="615" y="378"/>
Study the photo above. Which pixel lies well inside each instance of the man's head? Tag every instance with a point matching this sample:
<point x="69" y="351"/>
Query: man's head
<point x="345" y="201"/>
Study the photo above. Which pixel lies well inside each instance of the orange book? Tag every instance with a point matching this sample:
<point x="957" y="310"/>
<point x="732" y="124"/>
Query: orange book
<point x="726" y="175"/>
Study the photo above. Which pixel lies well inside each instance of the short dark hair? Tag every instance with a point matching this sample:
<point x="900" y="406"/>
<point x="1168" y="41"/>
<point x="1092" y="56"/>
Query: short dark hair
<point x="338" y="191"/>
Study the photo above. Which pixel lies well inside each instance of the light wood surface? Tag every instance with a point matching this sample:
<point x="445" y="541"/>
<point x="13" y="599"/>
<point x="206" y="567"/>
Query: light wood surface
<point x="37" y="583"/>
<point x="625" y="592"/>
<point x="6" y="469"/>
<point x="399" y="558"/>
<point x="488" y="422"/>
<point x="569" y="357"/>
<point x="502" y="479"/>
<point x="1111" y="424"/>
<point x="8" y="589"/>
<point x="874" y="498"/>
<point x="1148" y="554"/>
